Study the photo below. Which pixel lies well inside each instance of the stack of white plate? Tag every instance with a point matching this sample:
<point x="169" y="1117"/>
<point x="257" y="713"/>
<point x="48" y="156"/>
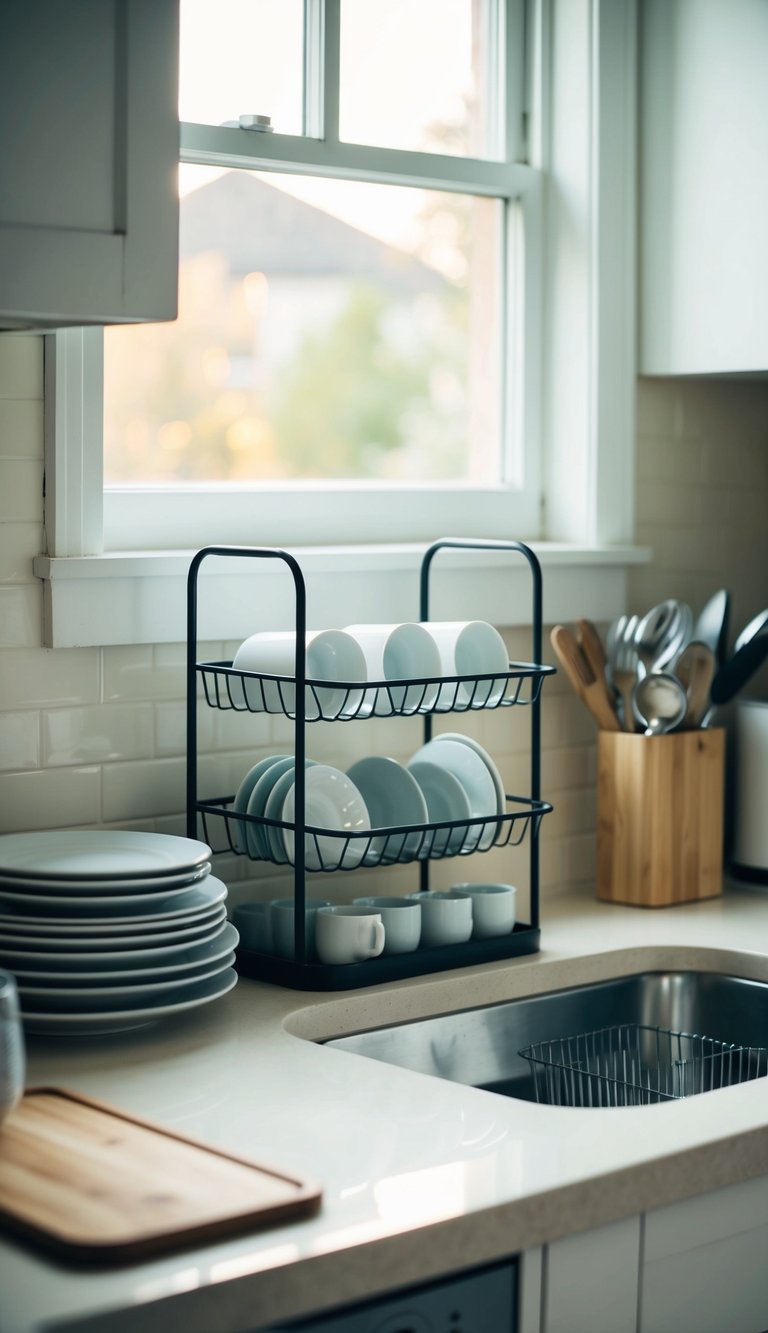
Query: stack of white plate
<point x="107" y="930"/>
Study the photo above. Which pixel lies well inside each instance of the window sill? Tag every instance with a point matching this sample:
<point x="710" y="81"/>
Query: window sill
<point x="132" y="598"/>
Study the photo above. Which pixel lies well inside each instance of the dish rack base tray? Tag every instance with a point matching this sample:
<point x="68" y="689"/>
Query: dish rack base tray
<point x="387" y="967"/>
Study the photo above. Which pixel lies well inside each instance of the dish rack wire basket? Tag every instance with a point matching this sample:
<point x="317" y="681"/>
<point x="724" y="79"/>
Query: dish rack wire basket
<point x="219" y="685"/>
<point x="632" y="1064"/>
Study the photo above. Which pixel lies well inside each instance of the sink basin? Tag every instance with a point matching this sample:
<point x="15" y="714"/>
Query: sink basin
<point x="481" y="1047"/>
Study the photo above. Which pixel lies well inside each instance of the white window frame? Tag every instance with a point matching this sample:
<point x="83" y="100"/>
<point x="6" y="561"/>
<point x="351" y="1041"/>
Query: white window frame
<point x="575" y="401"/>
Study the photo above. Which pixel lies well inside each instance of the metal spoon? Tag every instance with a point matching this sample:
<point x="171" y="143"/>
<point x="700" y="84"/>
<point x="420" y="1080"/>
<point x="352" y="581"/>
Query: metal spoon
<point x="695" y="669"/>
<point x="662" y="634"/>
<point x="712" y="625"/>
<point x="661" y="701"/>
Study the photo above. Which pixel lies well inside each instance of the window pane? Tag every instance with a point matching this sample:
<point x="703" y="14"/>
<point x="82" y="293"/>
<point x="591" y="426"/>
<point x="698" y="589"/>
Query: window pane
<point x="413" y="75"/>
<point x="327" y="329"/>
<point x="242" y="57"/>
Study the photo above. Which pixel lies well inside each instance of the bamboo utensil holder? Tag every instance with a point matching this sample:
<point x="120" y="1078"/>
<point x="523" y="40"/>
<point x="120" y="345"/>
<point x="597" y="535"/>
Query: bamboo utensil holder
<point x="660" y="817"/>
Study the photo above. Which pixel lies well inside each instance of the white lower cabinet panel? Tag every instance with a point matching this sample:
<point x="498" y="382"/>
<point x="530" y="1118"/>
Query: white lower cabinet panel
<point x="591" y="1281"/>
<point x="706" y="1263"/>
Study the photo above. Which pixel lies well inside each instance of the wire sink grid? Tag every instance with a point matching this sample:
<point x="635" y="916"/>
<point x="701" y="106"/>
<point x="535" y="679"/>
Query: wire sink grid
<point x="636" y="1065"/>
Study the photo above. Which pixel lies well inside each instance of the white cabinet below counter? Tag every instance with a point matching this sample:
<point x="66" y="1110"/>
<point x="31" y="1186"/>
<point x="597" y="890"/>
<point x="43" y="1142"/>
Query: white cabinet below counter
<point x="703" y="186"/>
<point x="693" y="1267"/>
<point x="88" y="186"/>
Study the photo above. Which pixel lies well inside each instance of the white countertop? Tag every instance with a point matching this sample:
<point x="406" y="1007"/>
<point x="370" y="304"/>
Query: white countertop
<point x="420" y="1176"/>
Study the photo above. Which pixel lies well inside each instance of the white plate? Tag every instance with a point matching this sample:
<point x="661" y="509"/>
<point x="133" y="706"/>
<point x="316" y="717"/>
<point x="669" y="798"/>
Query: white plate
<point x="65" y="930"/>
<point x="260" y="840"/>
<point x="331" y="801"/>
<point x="242" y="797"/>
<point x="475" y="778"/>
<point x="69" y="902"/>
<point x="393" y="798"/>
<point x="98" y="854"/>
<point x="181" y="930"/>
<point x="29" y="884"/>
<point x="276" y="849"/>
<point x="501" y="796"/>
<point x="161" y="907"/>
<point x="164" y="959"/>
<point x="95" y="998"/>
<point x="446" y="801"/>
<point x="125" y="1019"/>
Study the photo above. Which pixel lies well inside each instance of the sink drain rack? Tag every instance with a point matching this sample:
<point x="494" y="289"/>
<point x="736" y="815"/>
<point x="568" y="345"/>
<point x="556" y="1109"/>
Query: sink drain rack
<point x="632" y="1064"/>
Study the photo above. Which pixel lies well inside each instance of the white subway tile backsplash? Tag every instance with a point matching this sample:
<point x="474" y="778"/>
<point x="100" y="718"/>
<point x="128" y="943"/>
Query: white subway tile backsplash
<point x="21" y="428"/>
<point x="143" y="789"/>
<point x="21" y="616"/>
<point x="233" y="730"/>
<point x="21" y="490"/>
<point x="170" y="722"/>
<point x="21" y="365"/>
<point x="657" y="412"/>
<point x="562" y="769"/>
<point x="19" y="544"/>
<point x="128" y="674"/>
<point x="19" y="741"/>
<point x="49" y="677"/>
<point x="99" y="734"/>
<point x="50" y="798"/>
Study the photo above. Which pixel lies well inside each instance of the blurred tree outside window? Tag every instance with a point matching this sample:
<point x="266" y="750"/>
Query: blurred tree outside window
<point x="328" y="328"/>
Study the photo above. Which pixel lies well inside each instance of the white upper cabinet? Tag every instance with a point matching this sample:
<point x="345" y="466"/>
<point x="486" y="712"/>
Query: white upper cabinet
<point x="704" y="186"/>
<point x="88" y="162"/>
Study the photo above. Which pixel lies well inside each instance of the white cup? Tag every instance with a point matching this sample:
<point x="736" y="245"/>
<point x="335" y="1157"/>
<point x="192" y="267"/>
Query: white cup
<point x="282" y="917"/>
<point x="493" y="908"/>
<point x="12" y="1052"/>
<point x="253" y="922"/>
<point x="399" y="652"/>
<point x="470" y="648"/>
<point x="401" y="918"/>
<point x="348" y="934"/>
<point x="446" y="917"/>
<point x="331" y="654"/>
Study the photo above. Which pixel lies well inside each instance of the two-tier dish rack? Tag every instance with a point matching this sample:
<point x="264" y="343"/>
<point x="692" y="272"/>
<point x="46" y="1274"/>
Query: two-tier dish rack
<point x="305" y="700"/>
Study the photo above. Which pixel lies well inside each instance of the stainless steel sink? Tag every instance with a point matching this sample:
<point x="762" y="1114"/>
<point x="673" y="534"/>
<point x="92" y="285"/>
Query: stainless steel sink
<point x="480" y="1047"/>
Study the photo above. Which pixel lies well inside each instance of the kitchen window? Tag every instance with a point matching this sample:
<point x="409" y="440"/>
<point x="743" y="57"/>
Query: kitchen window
<point x="397" y="320"/>
<point x="347" y="361"/>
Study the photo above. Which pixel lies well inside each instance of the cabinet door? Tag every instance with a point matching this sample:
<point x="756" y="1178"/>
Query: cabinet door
<point x="90" y="145"/>
<point x="591" y="1281"/>
<point x="705" y="1263"/>
<point x="703" y="186"/>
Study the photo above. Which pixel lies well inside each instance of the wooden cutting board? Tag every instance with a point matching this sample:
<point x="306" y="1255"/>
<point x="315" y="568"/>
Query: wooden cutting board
<point x="91" y="1182"/>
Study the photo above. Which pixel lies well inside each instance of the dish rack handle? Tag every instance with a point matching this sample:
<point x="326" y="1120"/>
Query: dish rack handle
<point x="300" y="669"/>
<point x="518" y="548"/>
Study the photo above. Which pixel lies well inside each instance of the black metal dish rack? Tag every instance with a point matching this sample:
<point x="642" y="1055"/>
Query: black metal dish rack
<point x="319" y="850"/>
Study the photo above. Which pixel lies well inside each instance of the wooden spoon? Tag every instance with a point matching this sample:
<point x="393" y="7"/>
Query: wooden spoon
<point x="590" y="690"/>
<point x="696" y="669"/>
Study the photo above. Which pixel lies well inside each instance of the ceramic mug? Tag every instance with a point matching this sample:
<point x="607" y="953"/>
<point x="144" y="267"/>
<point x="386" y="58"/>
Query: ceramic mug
<point x="348" y="934"/>
<point x="470" y="648"/>
<point x="253" y="922"/>
<point x="493" y="908"/>
<point x="282" y="917"/>
<point x="401" y="918"/>
<point x="331" y="654"/>
<point x="446" y="917"/>
<point x="12" y="1056"/>
<point x="399" y="652"/>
